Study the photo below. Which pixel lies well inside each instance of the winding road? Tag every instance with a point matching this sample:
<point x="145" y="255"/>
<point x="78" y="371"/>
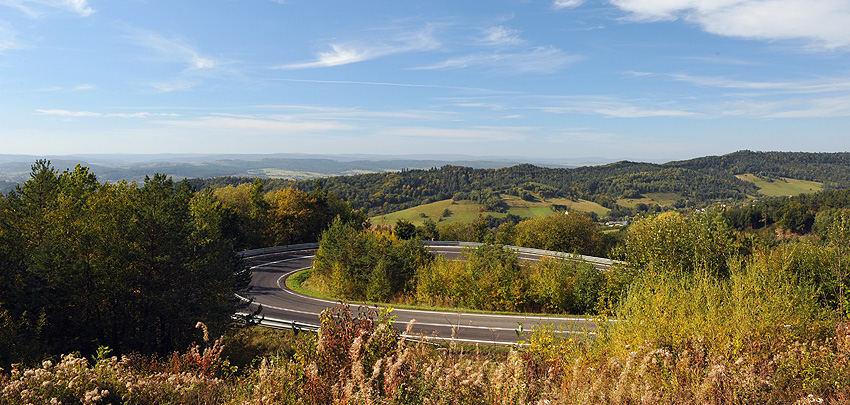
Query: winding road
<point x="284" y="306"/>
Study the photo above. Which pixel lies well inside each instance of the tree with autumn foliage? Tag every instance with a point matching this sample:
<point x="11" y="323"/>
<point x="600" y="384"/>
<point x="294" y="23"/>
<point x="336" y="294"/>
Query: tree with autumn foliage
<point x="133" y="267"/>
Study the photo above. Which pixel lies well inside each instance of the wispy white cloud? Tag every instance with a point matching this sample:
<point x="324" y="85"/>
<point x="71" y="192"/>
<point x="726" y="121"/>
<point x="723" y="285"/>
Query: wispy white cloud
<point x="173" y="49"/>
<point x="268" y="123"/>
<point x="824" y="107"/>
<point x="366" y="49"/>
<point x="625" y="110"/>
<point x="818" y="107"/>
<point x="394" y="84"/>
<point x="480" y="133"/>
<point x="81" y="87"/>
<point x="812" y="98"/>
<point x="590" y="105"/>
<point x="501" y="36"/>
<point x="80" y="7"/>
<point x="539" y="60"/>
<point x="174" y="85"/>
<point x="559" y="4"/>
<point x="36" y="8"/>
<point x="357" y="114"/>
<point x="8" y="38"/>
<point x="801" y="87"/>
<point x="824" y="23"/>
<point x="823" y="85"/>
<point x="196" y="67"/>
<point x="79" y="114"/>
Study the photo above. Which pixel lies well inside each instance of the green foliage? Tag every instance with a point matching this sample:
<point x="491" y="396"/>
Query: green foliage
<point x="551" y="283"/>
<point x="762" y="300"/>
<point x="672" y="242"/>
<point x="498" y="282"/>
<point x="132" y="267"/>
<point x="572" y="232"/>
<point x="491" y="278"/>
<point x="358" y="264"/>
<point x="404" y="229"/>
<point x="587" y="289"/>
<point x="428" y="231"/>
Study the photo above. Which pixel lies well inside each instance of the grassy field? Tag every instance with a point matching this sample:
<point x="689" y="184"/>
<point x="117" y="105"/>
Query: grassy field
<point x="462" y="211"/>
<point x="783" y="186"/>
<point x="467" y="211"/>
<point x="662" y="199"/>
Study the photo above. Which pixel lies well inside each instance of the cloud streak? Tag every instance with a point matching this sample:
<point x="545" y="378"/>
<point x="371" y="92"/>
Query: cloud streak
<point x="7" y="38"/>
<point x="823" y="23"/>
<point x="538" y="60"/>
<point x="482" y="133"/>
<point x="87" y="114"/>
<point x="174" y="49"/>
<point x="35" y="8"/>
<point x="368" y="49"/>
<point x="561" y="4"/>
<point x="589" y="105"/>
<point x="258" y="123"/>
<point x="501" y="36"/>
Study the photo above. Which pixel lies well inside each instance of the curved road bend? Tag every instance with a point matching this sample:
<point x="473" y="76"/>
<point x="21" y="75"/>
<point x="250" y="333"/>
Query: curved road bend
<point x="269" y="290"/>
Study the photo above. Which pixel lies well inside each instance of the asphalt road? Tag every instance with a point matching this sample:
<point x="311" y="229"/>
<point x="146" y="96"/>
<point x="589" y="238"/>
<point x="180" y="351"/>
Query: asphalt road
<point x="269" y="290"/>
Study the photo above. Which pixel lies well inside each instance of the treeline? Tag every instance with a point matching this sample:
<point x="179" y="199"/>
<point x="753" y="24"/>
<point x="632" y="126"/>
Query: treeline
<point x="134" y="267"/>
<point x="832" y="169"/>
<point x="381" y="193"/>
<point x="562" y="231"/>
<point x="801" y="214"/>
<point x="284" y="216"/>
<point x="698" y="181"/>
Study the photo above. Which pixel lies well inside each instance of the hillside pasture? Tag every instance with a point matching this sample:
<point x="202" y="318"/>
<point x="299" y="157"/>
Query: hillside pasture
<point x="467" y="211"/>
<point x="782" y="186"/>
<point x="662" y="199"/>
<point x="462" y="211"/>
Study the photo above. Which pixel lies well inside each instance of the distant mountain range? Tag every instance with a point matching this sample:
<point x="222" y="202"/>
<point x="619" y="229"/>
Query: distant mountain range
<point x="111" y="168"/>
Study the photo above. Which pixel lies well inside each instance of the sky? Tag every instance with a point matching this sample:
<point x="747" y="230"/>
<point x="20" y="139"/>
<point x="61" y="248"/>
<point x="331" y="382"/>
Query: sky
<point x="648" y="80"/>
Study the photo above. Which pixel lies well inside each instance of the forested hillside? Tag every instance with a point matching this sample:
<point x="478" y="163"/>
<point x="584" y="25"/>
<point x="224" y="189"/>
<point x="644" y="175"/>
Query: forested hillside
<point x="832" y="169"/>
<point x="697" y="182"/>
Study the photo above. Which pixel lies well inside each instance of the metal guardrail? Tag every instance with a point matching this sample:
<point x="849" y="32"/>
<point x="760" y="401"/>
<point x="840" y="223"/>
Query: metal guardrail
<point x="288" y="324"/>
<point x="550" y="253"/>
<point x="600" y="261"/>
<point x="275" y="323"/>
<point x="277" y="249"/>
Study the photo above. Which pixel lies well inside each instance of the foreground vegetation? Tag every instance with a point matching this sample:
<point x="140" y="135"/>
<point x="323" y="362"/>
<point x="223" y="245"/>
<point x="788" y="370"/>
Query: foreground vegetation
<point x="359" y="358"/>
<point x="737" y="304"/>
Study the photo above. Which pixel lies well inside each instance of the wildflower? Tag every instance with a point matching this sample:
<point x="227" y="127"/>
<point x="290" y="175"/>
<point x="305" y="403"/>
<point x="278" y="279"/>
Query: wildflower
<point x="206" y="331"/>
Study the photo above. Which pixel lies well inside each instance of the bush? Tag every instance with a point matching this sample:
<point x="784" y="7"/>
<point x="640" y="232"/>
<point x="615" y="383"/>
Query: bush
<point x="572" y="232"/>
<point x="361" y="264"/>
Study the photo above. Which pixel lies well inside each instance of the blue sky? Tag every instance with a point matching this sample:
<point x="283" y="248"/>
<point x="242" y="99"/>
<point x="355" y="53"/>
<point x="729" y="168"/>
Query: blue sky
<point x="638" y="79"/>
